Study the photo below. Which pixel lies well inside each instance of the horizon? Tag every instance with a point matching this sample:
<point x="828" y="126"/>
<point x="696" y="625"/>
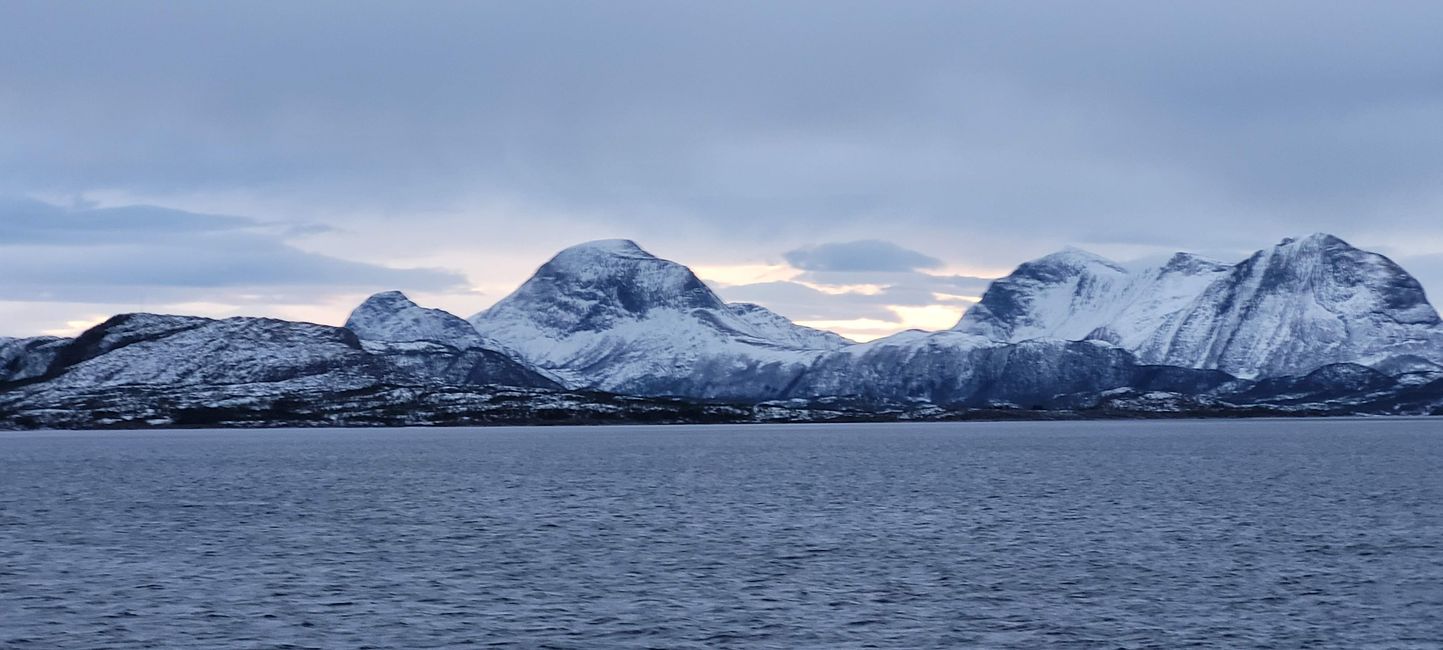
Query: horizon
<point x="790" y="274"/>
<point x="279" y="160"/>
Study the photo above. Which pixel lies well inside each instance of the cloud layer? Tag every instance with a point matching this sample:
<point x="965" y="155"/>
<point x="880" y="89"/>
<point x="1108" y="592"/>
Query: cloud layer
<point x="148" y="255"/>
<point x="867" y="255"/>
<point x="485" y="136"/>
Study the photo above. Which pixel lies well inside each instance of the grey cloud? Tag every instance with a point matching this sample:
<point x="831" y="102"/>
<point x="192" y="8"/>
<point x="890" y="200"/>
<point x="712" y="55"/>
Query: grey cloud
<point x="1167" y="123"/>
<point x="146" y="254"/>
<point x="25" y="221"/>
<point x="992" y="131"/>
<point x="865" y="255"/>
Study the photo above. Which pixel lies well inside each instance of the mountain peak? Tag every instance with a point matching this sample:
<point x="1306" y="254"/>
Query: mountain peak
<point x="1315" y="239"/>
<point x="593" y="285"/>
<point x="616" y="318"/>
<point x="1074" y="257"/>
<point x="391" y="317"/>
<point x="615" y="247"/>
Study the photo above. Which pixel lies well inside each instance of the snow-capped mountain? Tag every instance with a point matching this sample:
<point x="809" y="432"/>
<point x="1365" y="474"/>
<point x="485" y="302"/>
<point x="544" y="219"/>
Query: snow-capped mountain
<point x="1075" y="295"/>
<point x="608" y="315"/>
<point x="1298" y="306"/>
<point x="956" y="368"/>
<point x="391" y="317"/>
<point x="1286" y="310"/>
<point x="161" y="350"/>
<point x="437" y="345"/>
<point x="1310" y="326"/>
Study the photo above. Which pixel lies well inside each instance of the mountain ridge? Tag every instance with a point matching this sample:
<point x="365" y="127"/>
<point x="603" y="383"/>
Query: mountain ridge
<point x="1310" y="325"/>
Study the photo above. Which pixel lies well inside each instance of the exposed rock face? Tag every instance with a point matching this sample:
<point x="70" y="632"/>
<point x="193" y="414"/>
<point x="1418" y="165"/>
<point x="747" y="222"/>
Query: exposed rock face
<point x="608" y="315"/>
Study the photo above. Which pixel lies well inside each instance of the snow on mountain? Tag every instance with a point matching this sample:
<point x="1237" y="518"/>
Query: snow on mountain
<point x="438" y="345"/>
<point x="391" y="317"/>
<point x="608" y="315"/>
<point x="775" y="327"/>
<point x="1287" y="310"/>
<point x="959" y="368"/>
<point x="158" y="350"/>
<point x="28" y="358"/>
<point x="1300" y="305"/>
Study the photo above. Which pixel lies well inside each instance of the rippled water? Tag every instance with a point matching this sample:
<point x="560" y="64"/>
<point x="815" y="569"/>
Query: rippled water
<point x="1282" y="534"/>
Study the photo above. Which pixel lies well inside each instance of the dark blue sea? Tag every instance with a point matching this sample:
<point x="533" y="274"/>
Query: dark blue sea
<point x="1208" y="534"/>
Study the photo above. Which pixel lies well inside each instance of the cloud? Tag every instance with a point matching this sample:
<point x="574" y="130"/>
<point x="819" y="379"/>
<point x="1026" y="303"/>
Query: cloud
<point x="143" y="254"/>
<point x="866" y="255"/>
<point x="801" y="302"/>
<point x="1081" y="122"/>
<point x="492" y="134"/>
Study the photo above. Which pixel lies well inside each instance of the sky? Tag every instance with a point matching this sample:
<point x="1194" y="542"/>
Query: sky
<point x="864" y="167"/>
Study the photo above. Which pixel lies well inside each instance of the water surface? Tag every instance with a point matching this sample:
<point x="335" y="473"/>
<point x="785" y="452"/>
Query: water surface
<point x="1281" y="534"/>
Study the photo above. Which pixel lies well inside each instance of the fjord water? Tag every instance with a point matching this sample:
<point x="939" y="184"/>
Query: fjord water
<point x="1277" y="533"/>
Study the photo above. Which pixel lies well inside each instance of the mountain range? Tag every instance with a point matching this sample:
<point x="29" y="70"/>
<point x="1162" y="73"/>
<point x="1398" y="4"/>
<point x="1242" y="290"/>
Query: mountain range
<point x="605" y="331"/>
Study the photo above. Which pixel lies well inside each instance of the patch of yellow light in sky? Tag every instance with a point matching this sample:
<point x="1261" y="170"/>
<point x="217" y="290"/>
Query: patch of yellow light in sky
<point x="930" y="317"/>
<point x="857" y="329"/>
<point x="953" y="297"/>
<point x="969" y="271"/>
<point x="74" y="327"/>
<point x="734" y="274"/>
<point x="844" y="289"/>
<point x="332" y="311"/>
<point x="201" y="308"/>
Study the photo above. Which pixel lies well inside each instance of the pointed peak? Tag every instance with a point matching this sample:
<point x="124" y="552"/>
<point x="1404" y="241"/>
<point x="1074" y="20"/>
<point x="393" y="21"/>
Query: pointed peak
<point x="1190" y="262"/>
<point x="1317" y="239"/>
<point x="594" y="284"/>
<point x="1075" y="258"/>
<point x="388" y="297"/>
<point x="391" y="317"/>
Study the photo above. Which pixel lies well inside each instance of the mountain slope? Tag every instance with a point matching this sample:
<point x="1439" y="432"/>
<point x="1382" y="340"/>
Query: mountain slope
<point x="160" y="350"/>
<point x="610" y="316"/>
<point x="959" y="369"/>
<point x="1287" y="310"/>
<point x="437" y="345"/>
<point x="1298" y="306"/>
<point x="27" y="358"/>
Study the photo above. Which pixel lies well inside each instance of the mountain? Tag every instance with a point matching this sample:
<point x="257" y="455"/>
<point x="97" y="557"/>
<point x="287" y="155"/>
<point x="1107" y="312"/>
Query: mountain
<point x="605" y="331"/>
<point x="437" y="345"/>
<point x="161" y="350"/>
<point x="607" y="315"/>
<point x="391" y="317"/>
<point x="1284" y="311"/>
<point x="1301" y="305"/>
<point x="958" y="369"/>
<point x="1075" y="295"/>
<point x="28" y="358"/>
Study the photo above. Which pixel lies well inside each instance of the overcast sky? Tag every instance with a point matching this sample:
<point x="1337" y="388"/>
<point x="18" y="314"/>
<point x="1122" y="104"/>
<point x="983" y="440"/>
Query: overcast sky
<point x="862" y="166"/>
